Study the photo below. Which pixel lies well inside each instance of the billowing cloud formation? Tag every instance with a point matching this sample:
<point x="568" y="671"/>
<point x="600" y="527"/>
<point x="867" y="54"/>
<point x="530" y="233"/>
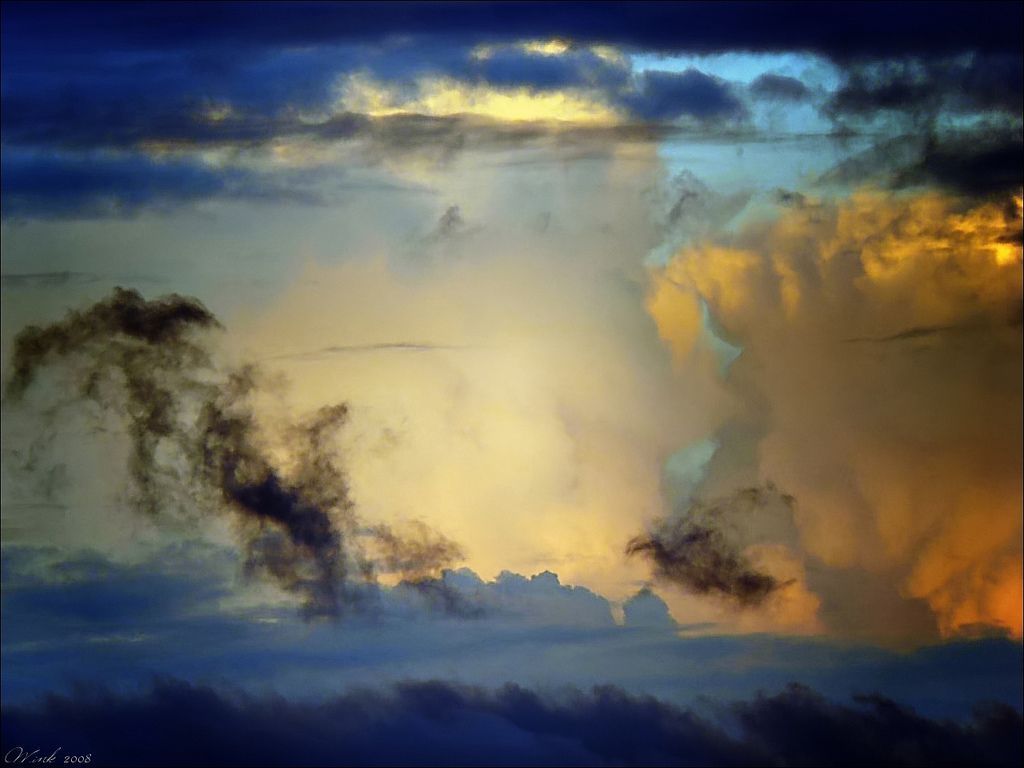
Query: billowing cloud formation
<point x="880" y="383"/>
<point x="196" y="445"/>
<point x="646" y="609"/>
<point x="438" y="723"/>
<point x="512" y="388"/>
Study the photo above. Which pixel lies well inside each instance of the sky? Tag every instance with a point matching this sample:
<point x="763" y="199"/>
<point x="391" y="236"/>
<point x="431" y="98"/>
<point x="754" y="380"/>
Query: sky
<point x="512" y="383"/>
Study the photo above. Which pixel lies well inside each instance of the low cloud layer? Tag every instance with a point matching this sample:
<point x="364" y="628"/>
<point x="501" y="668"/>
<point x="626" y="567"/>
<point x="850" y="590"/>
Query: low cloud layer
<point x="440" y="723"/>
<point x="186" y="612"/>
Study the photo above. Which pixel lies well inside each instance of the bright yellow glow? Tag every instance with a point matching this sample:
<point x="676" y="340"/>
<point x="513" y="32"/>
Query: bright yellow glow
<point x="1008" y="252"/>
<point x="444" y="97"/>
<point x="554" y="47"/>
<point x="608" y="54"/>
<point x="546" y="47"/>
<point x="218" y="113"/>
<point x="928" y="224"/>
<point x="483" y="52"/>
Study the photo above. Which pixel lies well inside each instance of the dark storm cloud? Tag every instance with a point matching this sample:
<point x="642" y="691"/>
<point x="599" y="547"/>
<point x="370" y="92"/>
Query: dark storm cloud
<point x="979" y="165"/>
<point x="85" y="76"/>
<point x="109" y="75"/>
<point x="936" y="104"/>
<point x="671" y="95"/>
<point x="981" y="162"/>
<point x="923" y="87"/>
<point x="87" y="186"/>
<point x="45" y="186"/>
<point x="77" y="78"/>
<point x="84" y="128"/>
<point x="85" y="595"/>
<point x="836" y="29"/>
<point x="695" y="549"/>
<point x="146" y="362"/>
<point x="779" y="88"/>
<point x="440" y="723"/>
<point x="82" y="183"/>
<point x="36" y="184"/>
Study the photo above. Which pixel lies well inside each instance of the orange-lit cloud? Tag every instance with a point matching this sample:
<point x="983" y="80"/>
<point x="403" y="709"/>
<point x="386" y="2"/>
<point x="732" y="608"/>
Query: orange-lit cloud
<point x="882" y="379"/>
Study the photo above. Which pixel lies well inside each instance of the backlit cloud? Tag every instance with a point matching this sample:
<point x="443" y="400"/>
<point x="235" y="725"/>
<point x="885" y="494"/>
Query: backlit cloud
<point x="918" y="475"/>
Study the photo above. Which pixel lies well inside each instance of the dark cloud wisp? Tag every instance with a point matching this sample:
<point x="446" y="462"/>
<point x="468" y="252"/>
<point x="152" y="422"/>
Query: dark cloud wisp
<point x="695" y="550"/>
<point x="196" y="445"/>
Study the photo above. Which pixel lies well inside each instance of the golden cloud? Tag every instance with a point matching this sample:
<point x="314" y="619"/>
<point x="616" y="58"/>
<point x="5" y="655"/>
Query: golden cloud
<point x="447" y="97"/>
<point x="882" y="371"/>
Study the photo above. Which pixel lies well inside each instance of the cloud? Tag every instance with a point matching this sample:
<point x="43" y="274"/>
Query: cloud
<point x="501" y="433"/>
<point x="928" y="503"/>
<point x="81" y="616"/>
<point x="142" y="361"/>
<point x="385" y="346"/>
<point x="694" y="550"/>
<point x="552" y="67"/>
<point x="646" y="609"/>
<point x="445" y="97"/>
<point x="692" y="94"/>
<point x="982" y="163"/>
<point x="843" y="32"/>
<point x="89" y="595"/>
<point x="779" y="88"/>
<point x="223" y="123"/>
<point x="165" y="322"/>
<point x="922" y="88"/>
<point x="441" y="596"/>
<point x="947" y="122"/>
<point x="35" y="187"/>
<point x="416" y="553"/>
<point x="46" y="279"/>
<point x="86" y="165"/>
<point x="87" y="186"/>
<point x="433" y="723"/>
